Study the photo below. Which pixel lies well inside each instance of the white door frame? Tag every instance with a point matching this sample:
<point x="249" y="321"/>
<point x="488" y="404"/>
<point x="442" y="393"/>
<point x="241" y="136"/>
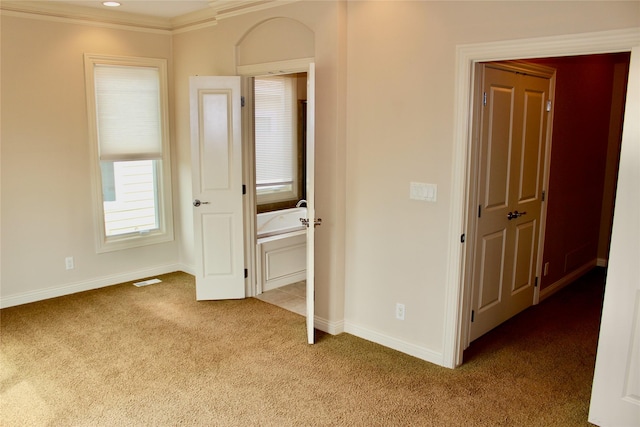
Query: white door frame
<point x="457" y="292"/>
<point x="248" y="162"/>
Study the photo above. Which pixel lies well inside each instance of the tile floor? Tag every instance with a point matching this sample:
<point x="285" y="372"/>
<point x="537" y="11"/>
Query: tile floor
<point x="291" y="297"/>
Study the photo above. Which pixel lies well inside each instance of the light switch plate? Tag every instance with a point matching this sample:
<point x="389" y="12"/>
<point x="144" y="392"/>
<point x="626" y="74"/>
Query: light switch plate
<point x="423" y="191"/>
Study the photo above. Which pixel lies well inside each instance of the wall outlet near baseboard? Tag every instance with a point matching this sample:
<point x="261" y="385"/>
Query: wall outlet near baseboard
<point x="68" y="263"/>
<point x="399" y="311"/>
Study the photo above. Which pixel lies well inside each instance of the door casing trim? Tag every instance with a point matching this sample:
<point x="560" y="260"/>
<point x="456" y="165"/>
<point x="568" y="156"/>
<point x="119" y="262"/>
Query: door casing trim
<point x="246" y="73"/>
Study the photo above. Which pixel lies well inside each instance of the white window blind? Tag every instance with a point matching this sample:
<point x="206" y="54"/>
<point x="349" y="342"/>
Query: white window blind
<point x="275" y="130"/>
<point x="128" y="112"/>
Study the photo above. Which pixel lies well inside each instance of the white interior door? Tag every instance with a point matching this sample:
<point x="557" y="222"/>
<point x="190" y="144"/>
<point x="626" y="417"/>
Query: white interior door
<point x="311" y="205"/>
<point x="615" y="397"/>
<point x="216" y="161"/>
<point x="512" y="154"/>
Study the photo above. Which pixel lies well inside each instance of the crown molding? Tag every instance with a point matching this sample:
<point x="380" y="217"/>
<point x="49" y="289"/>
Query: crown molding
<point x="228" y="8"/>
<point x="65" y="12"/>
<point x="194" y="21"/>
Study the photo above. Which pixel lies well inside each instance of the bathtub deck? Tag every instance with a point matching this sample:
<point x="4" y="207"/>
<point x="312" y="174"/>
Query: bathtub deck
<point x="290" y="297"/>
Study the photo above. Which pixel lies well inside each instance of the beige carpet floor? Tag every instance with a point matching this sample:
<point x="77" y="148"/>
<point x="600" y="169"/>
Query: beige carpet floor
<point x="153" y="356"/>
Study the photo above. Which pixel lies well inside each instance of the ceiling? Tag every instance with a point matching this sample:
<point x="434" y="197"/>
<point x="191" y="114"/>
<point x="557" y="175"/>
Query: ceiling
<point x="164" y="15"/>
<point x="162" y="9"/>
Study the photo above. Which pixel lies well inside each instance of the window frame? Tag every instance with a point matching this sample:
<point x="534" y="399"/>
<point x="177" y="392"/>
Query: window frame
<point x="164" y="232"/>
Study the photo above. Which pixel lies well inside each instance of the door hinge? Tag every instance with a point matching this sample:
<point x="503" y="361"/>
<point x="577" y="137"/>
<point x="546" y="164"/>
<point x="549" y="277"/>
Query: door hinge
<point x="544" y="193"/>
<point x="462" y="238"/>
<point x="479" y="211"/>
<point x="246" y="273"/>
<point x="244" y="189"/>
<point x="242" y="101"/>
<point x="548" y="106"/>
<point x="484" y="99"/>
<point x="473" y="315"/>
<point x="535" y="285"/>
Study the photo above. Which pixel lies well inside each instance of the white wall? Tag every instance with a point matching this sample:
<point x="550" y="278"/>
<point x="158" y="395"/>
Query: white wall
<point x="47" y="209"/>
<point x="400" y="112"/>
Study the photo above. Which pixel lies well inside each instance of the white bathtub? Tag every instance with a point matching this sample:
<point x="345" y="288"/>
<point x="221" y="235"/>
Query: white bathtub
<point x="281" y="248"/>
<point x="280" y="222"/>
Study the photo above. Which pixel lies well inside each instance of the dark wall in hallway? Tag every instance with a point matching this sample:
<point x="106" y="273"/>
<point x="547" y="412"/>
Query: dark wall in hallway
<point x="587" y="122"/>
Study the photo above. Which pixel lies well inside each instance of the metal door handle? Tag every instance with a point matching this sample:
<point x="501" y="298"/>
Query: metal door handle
<point x="515" y="214"/>
<point x="197" y="203"/>
<point x="316" y="222"/>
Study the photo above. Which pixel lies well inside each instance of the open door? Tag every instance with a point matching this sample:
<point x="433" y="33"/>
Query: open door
<point x="513" y="129"/>
<point x="311" y="205"/>
<point x="615" y="397"/>
<point x="216" y="161"/>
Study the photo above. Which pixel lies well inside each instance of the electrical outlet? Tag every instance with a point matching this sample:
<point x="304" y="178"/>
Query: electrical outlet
<point x="546" y="269"/>
<point x="68" y="263"/>
<point x="400" y="311"/>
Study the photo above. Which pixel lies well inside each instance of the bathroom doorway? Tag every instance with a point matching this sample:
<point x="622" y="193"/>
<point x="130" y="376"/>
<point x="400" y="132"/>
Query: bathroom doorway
<point x="279" y="141"/>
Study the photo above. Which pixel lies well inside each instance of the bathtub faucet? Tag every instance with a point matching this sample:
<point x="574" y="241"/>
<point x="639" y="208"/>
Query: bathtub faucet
<point x="300" y="203"/>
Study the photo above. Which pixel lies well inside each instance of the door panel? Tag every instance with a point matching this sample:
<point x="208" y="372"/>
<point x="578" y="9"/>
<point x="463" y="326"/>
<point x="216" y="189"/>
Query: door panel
<point x="512" y="147"/>
<point x="533" y="139"/>
<point x="498" y="136"/>
<point x="217" y="262"/>
<point x="492" y="265"/>
<point x="217" y="187"/>
<point x="525" y="256"/>
<point x="214" y="143"/>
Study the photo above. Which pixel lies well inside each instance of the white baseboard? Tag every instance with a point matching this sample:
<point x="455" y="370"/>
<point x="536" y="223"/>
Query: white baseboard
<point x="87" y="285"/>
<point x="189" y="269"/>
<point x="333" y="328"/>
<point x="569" y="278"/>
<point x="394" y="343"/>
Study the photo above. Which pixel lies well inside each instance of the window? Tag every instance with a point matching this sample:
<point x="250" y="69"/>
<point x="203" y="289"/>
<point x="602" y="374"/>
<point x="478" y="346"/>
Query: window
<point x="127" y="109"/>
<point x="278" y="141"/>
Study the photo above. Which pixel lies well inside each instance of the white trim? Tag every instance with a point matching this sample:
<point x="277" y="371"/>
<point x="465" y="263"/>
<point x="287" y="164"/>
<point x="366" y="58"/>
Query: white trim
<point x="333" y="328"/>
<point x="394" y="343"/>
<point x="194" y="21"/>
<point x="568" y="279"/>
<point x="229" y="9"/>
<point x="248" y="175"/>
<point x="185" y="28"/>
<point x="189" y="269"/>
<point x="300" y="65"/>
<point x="602" y="262"/>
<point x="466" y="56"/>
<point x="87" y="285"/>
